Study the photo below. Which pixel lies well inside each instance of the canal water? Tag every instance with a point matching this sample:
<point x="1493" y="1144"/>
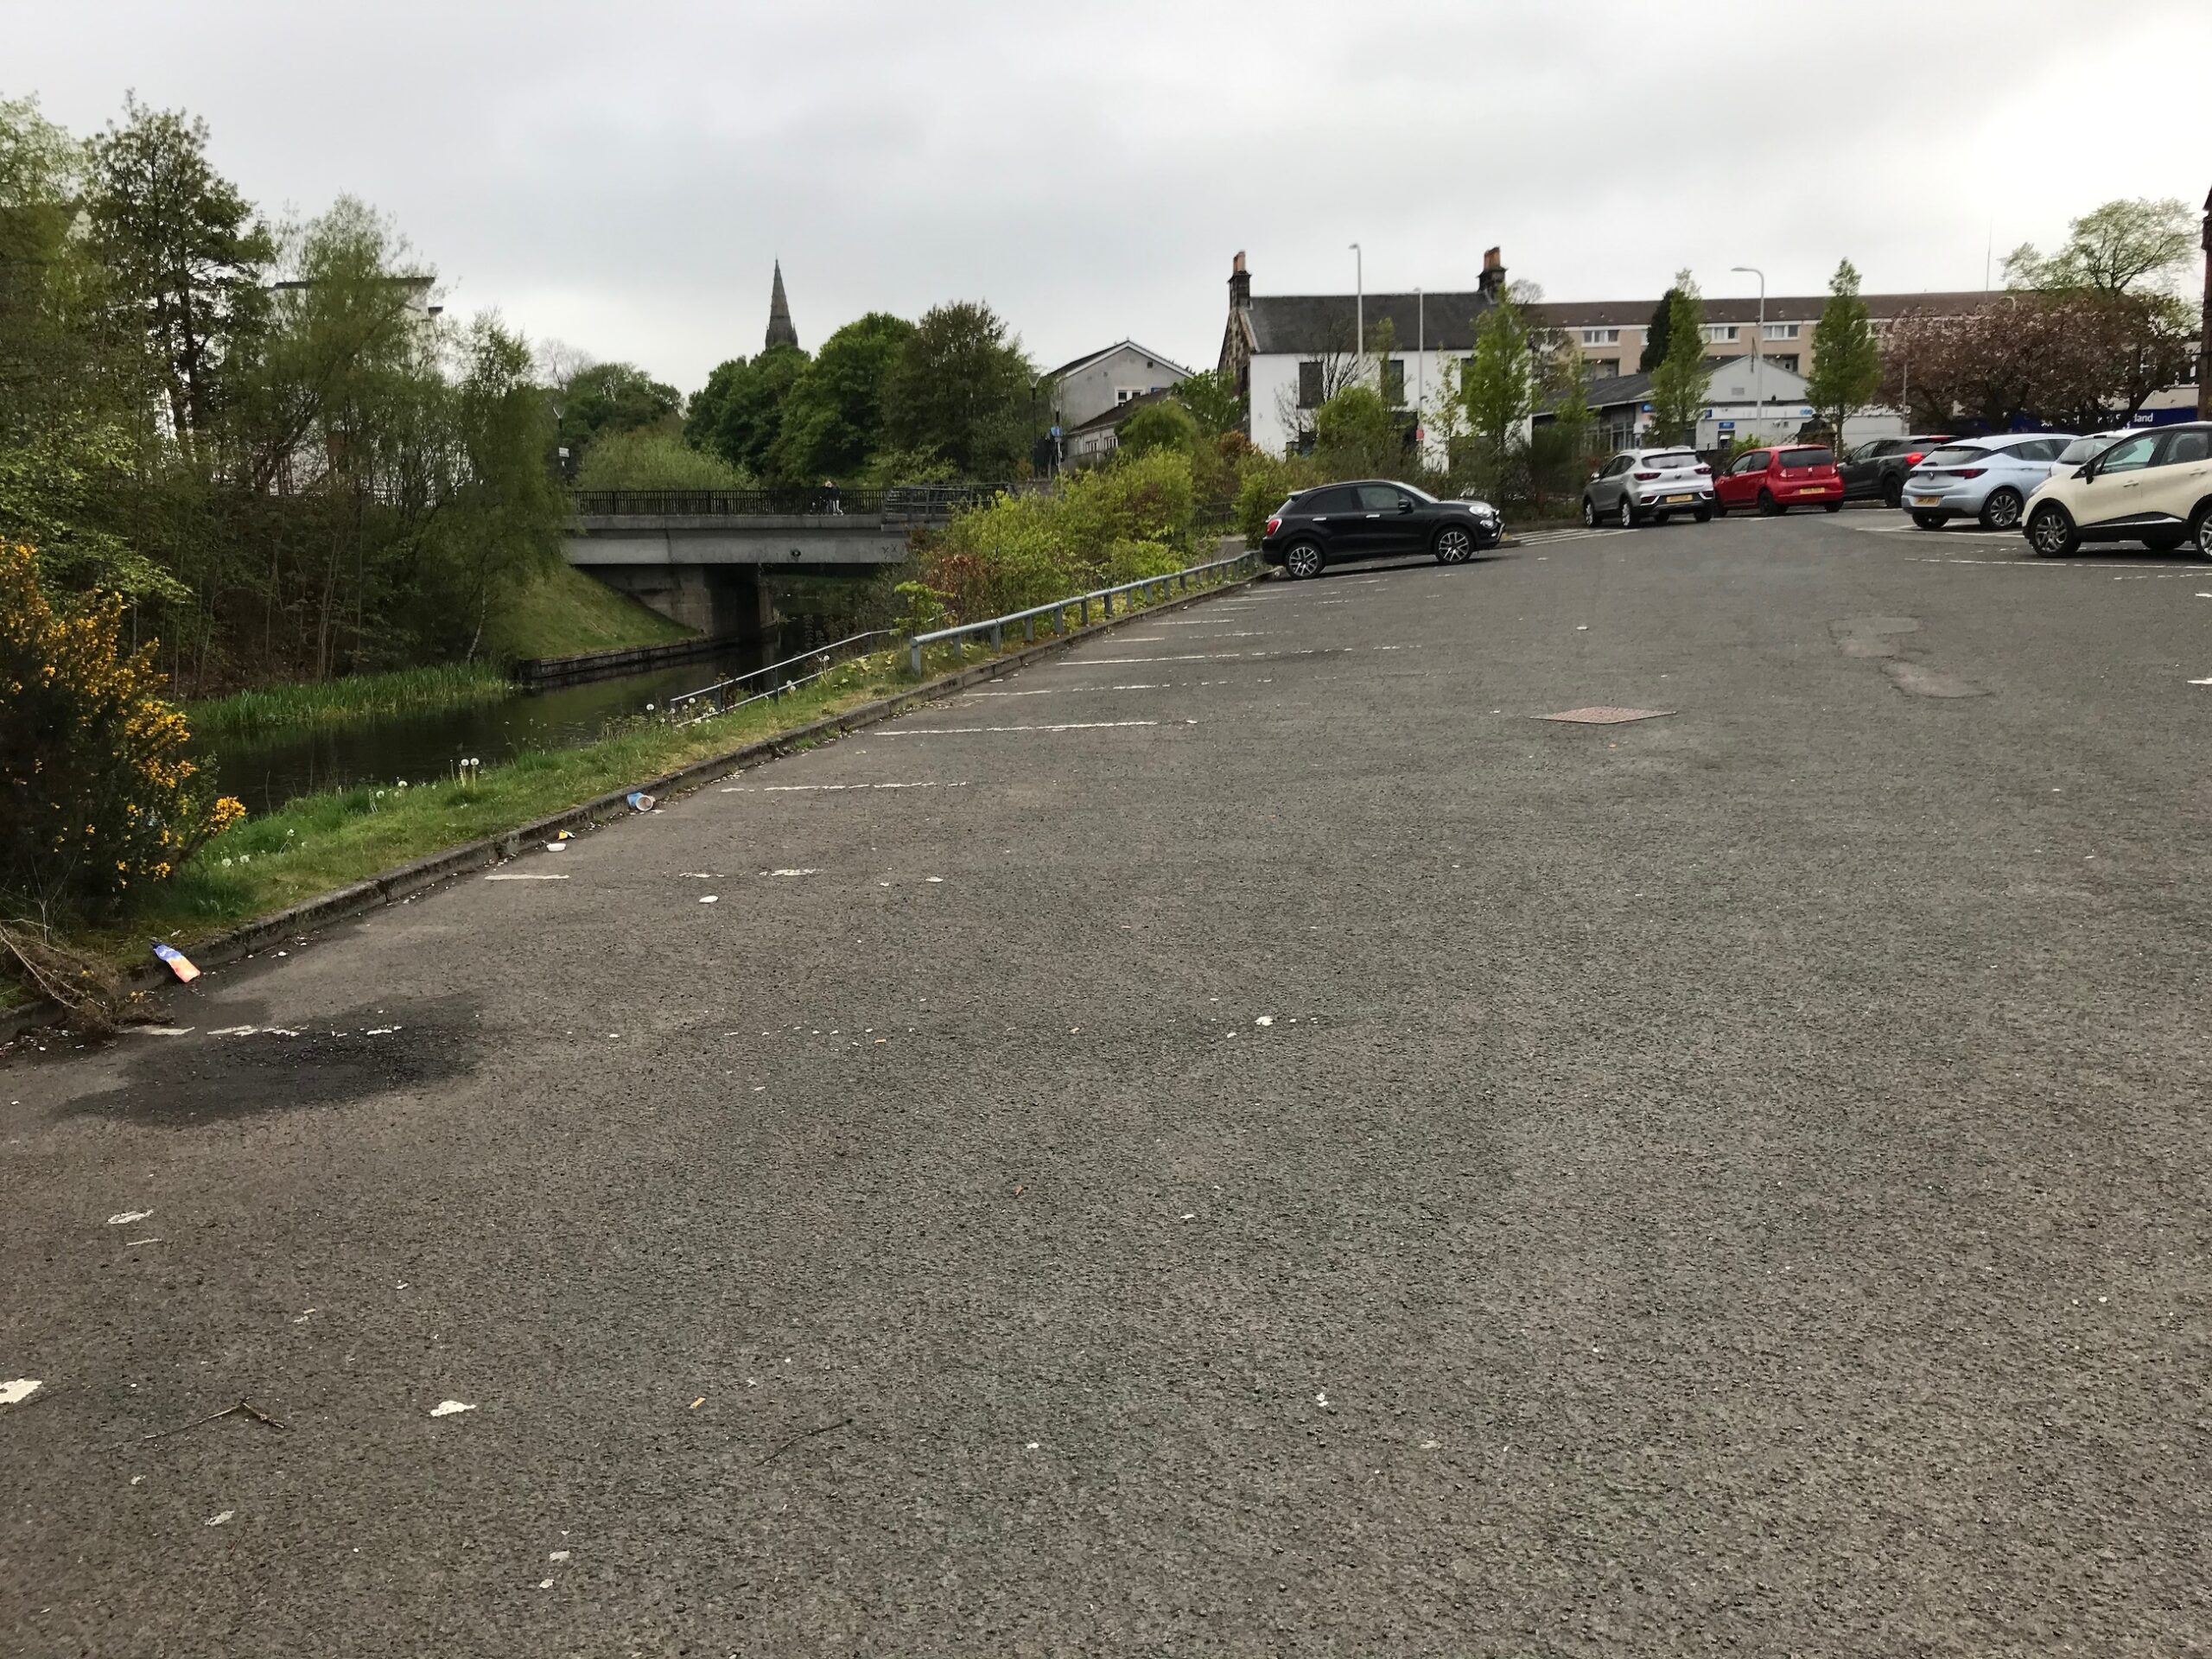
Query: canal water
<point x="420" y="746"/>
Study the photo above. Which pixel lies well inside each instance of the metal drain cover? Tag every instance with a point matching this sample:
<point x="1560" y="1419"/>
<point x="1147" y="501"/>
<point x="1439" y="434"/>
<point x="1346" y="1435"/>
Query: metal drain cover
<point x="1604" y="715"/>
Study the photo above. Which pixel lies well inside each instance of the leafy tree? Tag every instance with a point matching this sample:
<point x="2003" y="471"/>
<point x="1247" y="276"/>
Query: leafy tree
<point x="1680" y="379"/>
<point x="183" y="254"/>
<point x="2119" y="248"/>
<point x="2077" y="358"/>
<point x="1497" y="385"/>
<point x="1356" y="434"/>
<point x="961" y="387"/>
<point x="746" y="405"/>
<point x="832" y="418"/>
<point x="1213" y="400"/>
<point x="1847" y="360"/>
<point x="1164" y="425"/>
<point x="607" y="398"/>
<point x="1657" y="333"/>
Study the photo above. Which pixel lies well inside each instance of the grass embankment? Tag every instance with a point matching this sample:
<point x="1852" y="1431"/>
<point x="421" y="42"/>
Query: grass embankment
<point x="564" y="613"/>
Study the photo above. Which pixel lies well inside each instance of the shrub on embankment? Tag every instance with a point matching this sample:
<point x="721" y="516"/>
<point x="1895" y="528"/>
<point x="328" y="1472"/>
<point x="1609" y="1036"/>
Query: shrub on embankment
<point x="98" y="801"/>
<point x="1136" y="518"/>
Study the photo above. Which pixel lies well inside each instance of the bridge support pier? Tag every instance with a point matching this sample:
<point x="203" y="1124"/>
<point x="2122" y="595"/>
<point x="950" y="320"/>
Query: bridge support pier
<point x="716" y="599"/>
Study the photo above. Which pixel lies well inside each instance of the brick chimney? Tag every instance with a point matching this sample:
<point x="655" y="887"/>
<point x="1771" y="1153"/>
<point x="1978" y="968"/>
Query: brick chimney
<point x="1240" y="284"/>
<point x="1493" y="278"/>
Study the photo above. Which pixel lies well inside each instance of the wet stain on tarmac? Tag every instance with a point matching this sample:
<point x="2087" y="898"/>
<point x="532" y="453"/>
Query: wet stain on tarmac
<point x="252" y="1070"/>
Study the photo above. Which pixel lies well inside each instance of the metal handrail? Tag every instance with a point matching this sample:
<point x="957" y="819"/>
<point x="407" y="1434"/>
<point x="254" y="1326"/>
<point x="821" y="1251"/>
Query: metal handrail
<point x="1058" y="610"/>
<point x="798" y="500"/>
<point x="822" y="654"/>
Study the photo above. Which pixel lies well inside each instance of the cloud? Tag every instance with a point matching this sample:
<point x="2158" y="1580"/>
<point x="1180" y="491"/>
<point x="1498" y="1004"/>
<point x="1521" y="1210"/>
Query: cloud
<point x="622" y="177"/>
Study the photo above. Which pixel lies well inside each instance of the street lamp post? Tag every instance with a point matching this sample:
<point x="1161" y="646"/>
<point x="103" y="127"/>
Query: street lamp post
<point x="1358" y="310"/>
<point x="1758" y="354"/>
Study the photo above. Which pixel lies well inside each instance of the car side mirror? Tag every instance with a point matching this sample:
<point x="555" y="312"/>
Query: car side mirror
<point x="2086" y="471"/>
<point x="1404" y="506"/>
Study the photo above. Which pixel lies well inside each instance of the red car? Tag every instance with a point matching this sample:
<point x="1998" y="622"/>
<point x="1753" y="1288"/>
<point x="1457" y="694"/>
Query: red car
<point x="1777" y="479"/>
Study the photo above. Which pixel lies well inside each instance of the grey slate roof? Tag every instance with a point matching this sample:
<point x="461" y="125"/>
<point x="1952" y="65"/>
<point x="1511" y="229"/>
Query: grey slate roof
<point x="1309" y="324"/>
<point x="1119" y="412"/>
<point x="1073" y="363"/>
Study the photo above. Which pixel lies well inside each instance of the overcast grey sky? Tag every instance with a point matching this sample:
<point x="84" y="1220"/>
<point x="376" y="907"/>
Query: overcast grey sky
<point x="619" y="177"/>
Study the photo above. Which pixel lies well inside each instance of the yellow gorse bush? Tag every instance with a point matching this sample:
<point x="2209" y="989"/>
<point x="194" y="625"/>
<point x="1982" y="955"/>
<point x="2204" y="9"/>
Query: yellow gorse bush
<point x="97" y="794"/>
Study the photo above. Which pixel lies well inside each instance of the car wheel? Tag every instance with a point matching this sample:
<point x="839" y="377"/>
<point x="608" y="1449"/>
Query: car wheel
<point x="1627" y="512"/>
<point x="2002" y="509"/>
<point x="2165" y="541"/>
<point x="1832" y="506"/>
<point x="1893" y="492"/>
<point x="1589" y="513"/>
<point x="1302" y="561"/>
<point x="2200" y="530"/>
<point x="1931" y="520"/>
<point x="1703" y="515"/>
<point x="2051" y="533"/>
<point x="1768" y="505"/>
<point x="1661" y="518"/>
<point x="1453" y="545"/>
<point x="1719" y="508"/>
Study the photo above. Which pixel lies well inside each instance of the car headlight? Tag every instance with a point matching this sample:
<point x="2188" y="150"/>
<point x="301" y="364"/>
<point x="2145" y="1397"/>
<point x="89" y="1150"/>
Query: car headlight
<point x="1482" y="509"/>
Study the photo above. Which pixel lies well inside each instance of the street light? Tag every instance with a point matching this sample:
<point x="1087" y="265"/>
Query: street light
<point x="1758" y="354"/>
<point x="1358" y="310"/>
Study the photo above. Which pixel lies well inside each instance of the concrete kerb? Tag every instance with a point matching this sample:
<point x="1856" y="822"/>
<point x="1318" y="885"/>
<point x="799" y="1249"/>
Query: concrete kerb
<point x="394" y="885"/>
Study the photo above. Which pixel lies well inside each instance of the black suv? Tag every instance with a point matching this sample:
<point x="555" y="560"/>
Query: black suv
<point x="1374" y="519"/>
<point x="1878" y="468"/>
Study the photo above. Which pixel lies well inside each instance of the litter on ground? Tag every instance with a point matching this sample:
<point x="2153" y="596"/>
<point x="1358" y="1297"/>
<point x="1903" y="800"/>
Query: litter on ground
<point x="450" y="1408"/>
<point x="14" y="1393"/>
<point x="180" y="964"/>
<point x="127" y="1216"/>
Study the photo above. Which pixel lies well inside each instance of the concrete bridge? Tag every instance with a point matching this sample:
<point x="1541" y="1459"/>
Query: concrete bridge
<point x="698" y="557"/>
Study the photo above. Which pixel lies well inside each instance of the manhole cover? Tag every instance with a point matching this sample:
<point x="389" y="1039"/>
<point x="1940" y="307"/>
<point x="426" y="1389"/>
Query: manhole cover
<point x="1607" y="716"/>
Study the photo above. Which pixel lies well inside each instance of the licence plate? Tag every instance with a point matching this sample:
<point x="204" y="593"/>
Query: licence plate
<point x="1672" y="500"/>
<point x="1927" y="500"/>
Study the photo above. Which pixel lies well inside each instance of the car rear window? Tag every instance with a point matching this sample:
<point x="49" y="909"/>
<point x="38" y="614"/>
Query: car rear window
<point x="1673" y="458"/>
<point x="2081" y="449"/>
<point x="1807" y="458"/>
<point x="1340" y="500"/>
<point x="1955" y="454"/>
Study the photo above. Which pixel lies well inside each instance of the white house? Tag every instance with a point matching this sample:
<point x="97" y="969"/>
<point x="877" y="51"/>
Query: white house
<point x="1288" y="353"/>
<point x="1103" y="380"/>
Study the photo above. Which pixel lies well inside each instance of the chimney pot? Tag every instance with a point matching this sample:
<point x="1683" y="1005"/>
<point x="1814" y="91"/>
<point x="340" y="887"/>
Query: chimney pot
<point x="1493" y="259"/>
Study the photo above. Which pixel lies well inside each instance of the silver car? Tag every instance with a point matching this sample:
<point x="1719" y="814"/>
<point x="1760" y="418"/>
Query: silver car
<point x="1989" y="478"/>
<point x="1637" y="485"/>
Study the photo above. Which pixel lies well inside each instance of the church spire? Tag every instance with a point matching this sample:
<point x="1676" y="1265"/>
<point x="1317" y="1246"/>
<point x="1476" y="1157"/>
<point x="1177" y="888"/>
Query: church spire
<point x="780" y="332"/>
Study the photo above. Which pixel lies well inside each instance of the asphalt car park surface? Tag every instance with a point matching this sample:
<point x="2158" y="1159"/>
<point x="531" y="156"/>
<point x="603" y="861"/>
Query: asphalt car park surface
<point x="1241" y="1138"/>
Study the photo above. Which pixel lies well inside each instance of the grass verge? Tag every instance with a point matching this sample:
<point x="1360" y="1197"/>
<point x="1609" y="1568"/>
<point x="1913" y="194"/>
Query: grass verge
<point x="564" y="613"/>
<point x="318" y="843"/>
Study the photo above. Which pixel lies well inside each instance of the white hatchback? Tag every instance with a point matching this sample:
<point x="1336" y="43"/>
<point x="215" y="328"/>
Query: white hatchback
<point x="1989" y="478"/>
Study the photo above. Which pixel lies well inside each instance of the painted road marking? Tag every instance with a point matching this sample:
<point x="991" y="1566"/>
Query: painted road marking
<point x="522" y="875"/>
<point x="1069" y="726"/>
<point x="817" y="789"/>
<point x="1227" y="656"/>
<point x="2068" y="564"/>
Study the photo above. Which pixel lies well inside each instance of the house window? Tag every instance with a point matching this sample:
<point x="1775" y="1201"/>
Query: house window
<point x="1123" y="394"/>
<point x="1780" y="331"/>
<point x="1309" y="385"/>
<point x="1601" y="336"/>
<point x="1604" y="368"/>
<point x="1718" y="333"/>
<point x="1393" y="381"/>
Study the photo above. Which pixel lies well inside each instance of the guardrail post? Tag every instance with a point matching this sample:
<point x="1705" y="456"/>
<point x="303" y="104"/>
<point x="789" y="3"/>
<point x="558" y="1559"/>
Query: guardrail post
<point x="1107" y="599"/>
<point x="998" y="636"/>
<point x="917" y="659"/>
<point x="1029" y="629"/>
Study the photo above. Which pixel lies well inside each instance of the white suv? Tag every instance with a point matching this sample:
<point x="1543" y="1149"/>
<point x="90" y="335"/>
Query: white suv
<point x="1640" y="484"/>
<point x="2155" y="488"/>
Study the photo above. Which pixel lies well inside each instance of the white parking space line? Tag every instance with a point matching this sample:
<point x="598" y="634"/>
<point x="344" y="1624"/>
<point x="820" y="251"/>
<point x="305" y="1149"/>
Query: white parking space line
<point x="1068" y="726"/>
<point x="1044" y="693"/>
<point x="2167" y="571"/>
<point x="832" y="789"/>
<point x="1227" y="656"/>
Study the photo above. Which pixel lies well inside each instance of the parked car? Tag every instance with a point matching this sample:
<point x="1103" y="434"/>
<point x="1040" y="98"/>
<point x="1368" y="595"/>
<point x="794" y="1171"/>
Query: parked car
<point x="1989" y="478"/>
<point x="1373" y="519"/>
<point x="1654" y="484"/>
<point x="1789" y="475"/>
<point x="1876" y="470"/>
<point x="2153" y="487"/>
<point x="2077" y="453"/>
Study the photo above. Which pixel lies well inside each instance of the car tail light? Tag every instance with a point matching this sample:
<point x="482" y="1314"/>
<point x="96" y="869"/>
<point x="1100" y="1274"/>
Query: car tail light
<point x="1274" y="524"/>
<point x="1912" y="459"/>
<point x="1970" y="471"/>
<point x="1647" y="476"/>
<point x="1705" y="472"/>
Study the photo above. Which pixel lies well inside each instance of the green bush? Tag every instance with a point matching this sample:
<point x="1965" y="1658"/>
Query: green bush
<point x="97" y="799"/>
<point x="650" y="458"/>
<point x="1163" y="425"/>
